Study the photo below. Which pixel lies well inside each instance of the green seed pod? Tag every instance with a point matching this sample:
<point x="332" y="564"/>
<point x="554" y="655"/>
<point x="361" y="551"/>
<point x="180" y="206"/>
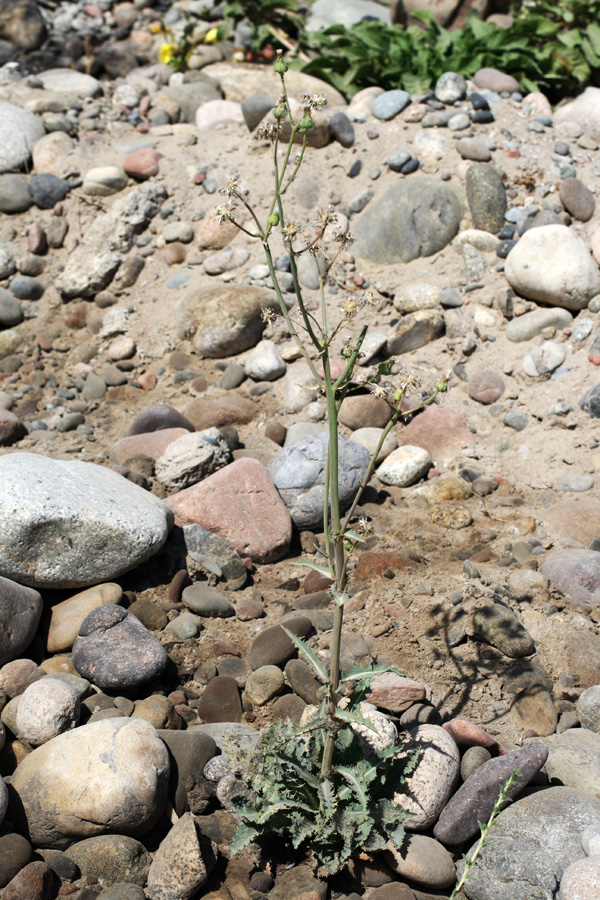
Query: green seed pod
<point x="306" y="122"/>
<point x="273" y="220"/>
<point x="280" y="65"/>
<point x="280" y="111"/>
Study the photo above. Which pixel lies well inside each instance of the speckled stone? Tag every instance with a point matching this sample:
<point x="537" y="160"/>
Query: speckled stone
<point x="486" y="196"/>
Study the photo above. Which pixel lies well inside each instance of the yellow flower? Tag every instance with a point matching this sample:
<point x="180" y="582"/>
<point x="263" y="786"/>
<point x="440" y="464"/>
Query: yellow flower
<point x="211" y="36"/>
<point x="166" y="53"/>
<point x="156" y="28"/>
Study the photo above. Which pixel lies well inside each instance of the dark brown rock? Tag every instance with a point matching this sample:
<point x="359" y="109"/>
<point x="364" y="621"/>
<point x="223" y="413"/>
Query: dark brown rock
<point x="577" y="199"/>
<point x="272" y="647"/>
<point x="221" y="701"/>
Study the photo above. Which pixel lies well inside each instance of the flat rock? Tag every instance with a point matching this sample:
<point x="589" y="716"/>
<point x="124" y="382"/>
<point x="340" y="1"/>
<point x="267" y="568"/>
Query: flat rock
<point x="20" y="613"/>
<point x="487" y="197"/>
<point x="422" y="860"/>
<point x="75" y="523"/>
<point x="416" y="217"/>
<point x="192" y="458"/>
<point x="216" y="555"/>
<point x="115" y="651"/>
<point x="241" y="504"/>
<point x="499" y="626"/>
<point x="272" y="646"/>
<point x="404" y="466"/>
<point x="105" y="776"/>
<point x="298" y="473"/>
<point x="220" y="411"/>
<point x="63" y="80"/>
<point x="394" y="693"/>
<point x="475" y="799"/>
<point x="529" y="325"/>
<point x="153" y="444"/>
<point x="67" y="616"/>
<point x="415" y="330"/>
<point x="574" y="760"/>
<point x="442" y="432"/>
<point x="222" y="320"/>
<point x="552" y="264"/>
<point x="533" y="710"/>
<point x="221" y="701"/>
<point x="510" y="869"/>
<point x="576" y="573"/>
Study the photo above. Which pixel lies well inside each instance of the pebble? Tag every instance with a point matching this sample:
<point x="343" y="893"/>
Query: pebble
<point x="531" y="324"/>
<point x="474" y="149"/>
<point x="272" y="646"/>
<point x="206" y="601"/>
<point x="19" y="131"/>
<point x="450" y="87"/>
<point x="369" y="437"/>
<point x="102" y="181"/>
<point x="397" y="160"/>
<point x="491" y="79"/>
<point x="577" y="199"/>
<point x="541" y="267"/>
<point x="581" y="879"/>
<point x="264" y="684"/>
<point x="182" y="862"/>
<point x="404" y="466"/>
<point x="473" y="759"/>
<point x="387" y="105"/>
<point x="574" y="760"/>
<point x="46" y="708"/>
<point x="576" y="573"/>
<point x="11" y="311"/>
<point x="298" y="473"/>
<point x="142" y="164"/>
<point x="192" y="458"/>
<point x="220" y="701"/>
<point x="342" y="129"/>
<point x="363" y="411"/>
<point x="14" y="195"/>
<point x="486" y="196"/>
<point x="115" y="651"/>
<point x="264" y="362"/>
<point x="486" y="386"/>
<point x="110" y="859"/>
<point x="422" y="860"/>
<point x="575" y="483"/>
<point x="498" y="625"/>
<point x="47" y="190"/>
<point x="544" y="359"/>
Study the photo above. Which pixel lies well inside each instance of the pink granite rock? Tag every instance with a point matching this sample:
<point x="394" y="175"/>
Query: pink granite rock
<point x="442" y="432"/>
<point x="239" y="503"/>
<point x="152" y="444"/>
<point x="142" y="164"/>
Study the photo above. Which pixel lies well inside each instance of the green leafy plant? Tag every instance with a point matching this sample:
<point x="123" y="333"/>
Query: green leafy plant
<point x="277" y="22"/>
<point x="539" y="50"/>
<point x="315" y="787"/>
<point x="471" y="858"/>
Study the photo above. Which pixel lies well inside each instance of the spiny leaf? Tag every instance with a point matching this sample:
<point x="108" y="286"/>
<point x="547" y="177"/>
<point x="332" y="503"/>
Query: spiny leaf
<point x="323" y="570"/>
<point x="367" y="673"/>
<point x="309" y="655"/>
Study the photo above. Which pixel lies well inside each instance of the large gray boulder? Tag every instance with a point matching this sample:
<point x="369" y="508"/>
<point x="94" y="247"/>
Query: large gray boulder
<point x="105" y="777"/>
<point x="416" y="217"/>
<point x="67" y="524"/>
<point x="298" y="473"/>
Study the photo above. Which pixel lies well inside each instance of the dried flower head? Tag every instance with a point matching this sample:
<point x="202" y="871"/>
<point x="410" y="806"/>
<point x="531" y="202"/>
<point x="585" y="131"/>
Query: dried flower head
<point x="268" y="316"/>
<point x="226" y="212"/>
<point x="290" y="231"/>
<point x="313" y="101"/>
<point x="408" y="380"/>
<point x="350" y="307"/>
<point x="233" y="187"/>
<point x="266" y="132"/>
<point x="345" y="238"/>
<point x="380" y="391"/>
<point x="325" y="217"/>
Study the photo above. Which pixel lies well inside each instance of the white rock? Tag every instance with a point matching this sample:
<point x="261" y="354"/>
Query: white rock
<point x="384" y="734"/>
<point x="69" y="81"/>
<point x="121" y="348"/>
<point x="297" y="388"/>
<point x="264" y="362"/>
<point x="215" y="111"/>
<point x="404" y="466"/>
<point x="369" y="438"/>
<point x="104" y="180"/>
<point x="553" y="265"/>
<point x="588" y="708"/>
<point x="481" y="240"/>
<point x="19" y="131"/>
<point x="425" y="793"/>
<point x="72" y="524"/>
<point x="372" y="344"/>
<point x="192" y="458"/>
<point x="583" y="112"/>
<point x="544" y="359"/>
<point x="46" y="708"/>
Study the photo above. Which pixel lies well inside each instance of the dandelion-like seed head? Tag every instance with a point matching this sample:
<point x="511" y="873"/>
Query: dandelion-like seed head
<point x="325" y="217"/>
<point x="313" y="101"/>
<point x="266" y="132"/>
<point x="350" y="308"/>
<point x="408" y="380"/>
<point x="233" y="188"/>
<point x="290" y="232"/>
<point x="226" y="212"/>
<point x="345" y="238"/>
<point x="268" y="316"/>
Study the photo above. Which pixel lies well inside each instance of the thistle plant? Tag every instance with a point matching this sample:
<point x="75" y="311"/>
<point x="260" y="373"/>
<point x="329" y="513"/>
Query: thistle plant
<point x="304" y="793"/>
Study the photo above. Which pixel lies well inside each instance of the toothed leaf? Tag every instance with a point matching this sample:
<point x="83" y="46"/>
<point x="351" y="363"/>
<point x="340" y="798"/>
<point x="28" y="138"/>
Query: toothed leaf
<point x="319" y="667"/>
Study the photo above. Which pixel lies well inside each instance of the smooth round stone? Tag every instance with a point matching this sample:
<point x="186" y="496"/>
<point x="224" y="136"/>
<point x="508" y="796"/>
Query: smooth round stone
<point x="575" y="483"/>
<point x="115" y="651"/>
<point x="22" y="608"/>
<point x="185" y="626"/>
<point x="11" y="312"/>
<point x="418" y="296"/>
<point x="15" y="853"/>
<point x="46" y="708"/>
<point x="158" y="710"/>
<point x="486" y="196"/>
<point x="473" y="758"/>
<point x="102" y="181"/>
<point x="429" y="787"/>
<point x="574" y="760"/>
<point x="255" y="108"/>
<point x="499" y="626"/>
<point x="272" y="646"/>
<point x="486" y="386"/>
<point x="103" y="524"/>
<point x="474" y="149"/>
<point x="404" y="466"/>
<point x="553" y="265"/>
<point x="544" y="359"/>
<point x="178" y="231"/>
<point x="450" y="87"/>
<point x="459" y="122"/>
<point x="142" y="164"/>
<point x="397" y="160"/>
<point x="104" y="776"/>
<point x="263" y="684"/>
<point x="14" y="196"/>
<point x="342" y="129"/>
<point x="516" y="419"/>
<point x="533" y="710"/>
<point x="490" y="79"/>
<point x="158" y="417"/>
<point x="387" y="105"/>
<point x="588" y="708"/>
<point x="121" y="348"/>
<point x="11" y="429"/>
<point x="19" y="131"/>
<point x="69" y="81"/>
<point x="364" y="410"/>
<point x="206" y="601"/>
<point x="212" y="112"/>
<point x="581" y="880"/>
<point x="590" y="841"/>
<point x="424" y="861"/>
<point x="577" y="199"/>
<point x="47" y="190"/>
<point x="26" y="288"/>
<point x="529" y="325"/>
<point x="111" y="858"/>
<point x="264" y="362"/>
<point x="369" y="438"/>
<point x="17" y="675"/>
